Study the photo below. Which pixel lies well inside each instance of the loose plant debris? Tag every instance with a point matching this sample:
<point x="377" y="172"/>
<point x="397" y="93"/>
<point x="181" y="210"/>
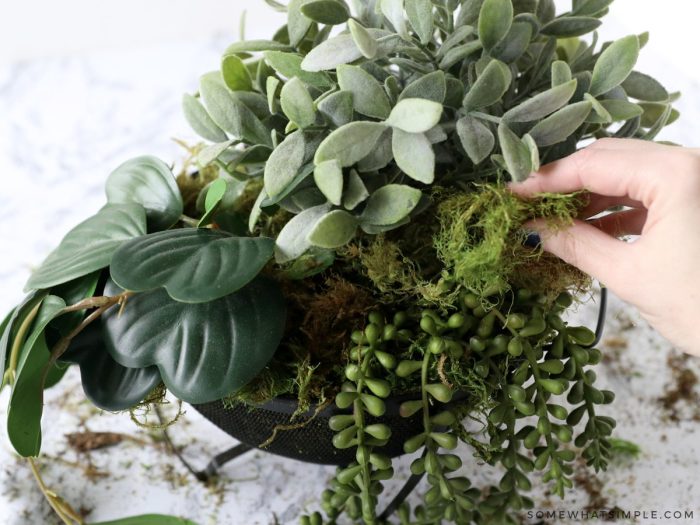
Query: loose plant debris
<point x="681" y="399"/>
<point x="345" y="235"/>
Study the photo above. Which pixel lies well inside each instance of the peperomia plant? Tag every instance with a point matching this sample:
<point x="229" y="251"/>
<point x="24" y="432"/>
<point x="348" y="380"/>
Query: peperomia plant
<point x="356" y="162"/>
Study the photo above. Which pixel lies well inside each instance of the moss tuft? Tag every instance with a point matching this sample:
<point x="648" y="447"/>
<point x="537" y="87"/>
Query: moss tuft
<point x="481" y="240"/>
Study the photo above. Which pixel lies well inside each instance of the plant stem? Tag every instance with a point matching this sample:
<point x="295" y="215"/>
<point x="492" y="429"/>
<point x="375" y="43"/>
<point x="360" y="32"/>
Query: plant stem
<point x="60" y="507"/>
<point x="9" y="376"/>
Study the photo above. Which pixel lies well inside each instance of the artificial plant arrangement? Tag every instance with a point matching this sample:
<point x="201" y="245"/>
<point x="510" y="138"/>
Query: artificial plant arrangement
<point x="345" y="239"/>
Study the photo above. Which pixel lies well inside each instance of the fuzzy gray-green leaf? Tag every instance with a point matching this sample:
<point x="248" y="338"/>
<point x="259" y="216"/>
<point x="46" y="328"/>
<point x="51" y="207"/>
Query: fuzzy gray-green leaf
<point x="415" y="115"/>
<point x="235" y="74"/>
<point x="297" y="103"/>
<point x="489" y="87"/>
<point x="333" y="230"/>
<point x="476" y="138"/>
<point x="560" y="125"/>
<point x="393" y="10"/>
<point x="621" y="109"/>
<point x="514" y="44"/>
<point x="355" y="191"/>
<point x="330" y="12"/>
<point x="342" y="49"/>
<point x="284" y="163"/>
<point x="495" y="19"/>
<point x="297" y="24"/>
<point x="414" y="154"/>
<point x="542" y="104"/>
<point x="293" y="240"/>
<point x="390" y="204"/>
<point x="329" y="178"/>
<point x="290" y="65"/>
<point x="561" y="73"/>
<point x="515" y="152"/>
<point x="350" y="143"/>
<point x="643" y="87"/>
<point x="420" y="16"/>
<point x="200" y="121"/>
<point x="337" y="107"/>
<point x="363" y="39"/>
<point x="369" y="97"/>
<point x="570" y="26"/>
<point x="432" y="86"/>
<point x="614" y="65"/>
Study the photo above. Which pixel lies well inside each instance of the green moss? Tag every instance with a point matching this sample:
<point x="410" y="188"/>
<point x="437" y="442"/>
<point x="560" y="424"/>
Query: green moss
<point x="481" y="239"/>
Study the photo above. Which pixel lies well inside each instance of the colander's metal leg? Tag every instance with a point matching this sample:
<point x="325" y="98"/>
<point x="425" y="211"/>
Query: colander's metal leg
<point x="402" y="494"/>
<point x="602" y="312"/>
<point x="216" y="462"/>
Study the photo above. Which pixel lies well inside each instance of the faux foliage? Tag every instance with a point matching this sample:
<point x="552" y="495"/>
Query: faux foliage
<point x="366" y="144"/>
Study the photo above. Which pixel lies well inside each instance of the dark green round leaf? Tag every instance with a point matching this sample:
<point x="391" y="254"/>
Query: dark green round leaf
<point x="204" y="351"/>
<point x="149" y="182"/>
<point x="194" y="265"/>
<point x="330" y="12"/>
<point x="149" y="519"/>
<point x="107" y="384"/>
<point x="89" y="246"/>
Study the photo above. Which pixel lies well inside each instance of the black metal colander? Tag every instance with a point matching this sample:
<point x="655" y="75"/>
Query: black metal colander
<point x="312" y="440"/>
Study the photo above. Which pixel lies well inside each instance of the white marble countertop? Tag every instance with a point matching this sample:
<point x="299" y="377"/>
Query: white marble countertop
<point x="65" y="123"/>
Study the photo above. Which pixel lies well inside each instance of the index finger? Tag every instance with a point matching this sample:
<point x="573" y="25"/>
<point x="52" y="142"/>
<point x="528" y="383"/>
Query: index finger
<point x="635" y="171"/>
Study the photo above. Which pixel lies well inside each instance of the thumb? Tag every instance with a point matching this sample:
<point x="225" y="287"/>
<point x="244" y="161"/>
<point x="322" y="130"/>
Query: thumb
<point x="587" y="248"/>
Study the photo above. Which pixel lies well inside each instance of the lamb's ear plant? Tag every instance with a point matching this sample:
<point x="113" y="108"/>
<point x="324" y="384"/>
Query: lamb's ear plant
<point x="357" y="161"/>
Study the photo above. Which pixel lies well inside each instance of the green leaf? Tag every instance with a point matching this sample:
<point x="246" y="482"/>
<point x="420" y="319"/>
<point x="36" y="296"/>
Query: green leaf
<point x="10" y="327"/>
<point x="107" y="384"/>
<point x="297" y="103"/>
<point x="235" y="74"/>
<point x="560" y="125"/>
<point x="457" y="37"/>
<point x="254" y="46"/>
<point x="643" y="87"/>
<point x="542" y="104"/>
<point x="414" y="155"/>
<point x="337" y="107"/>
<point x="393" y="11"/>
<point x="90" y="245"/>
<point x="380" y="156"/>
<point x="149" y="182"/>
<point x="514" y="44"/>
<point x="329" y="178"/>
<point x="489" y="87"/>
<point x="432" y="86"/>
<point x="204" y="351"/>
<point x="272" y="85"/>
<point x="390" y="204"/>
<point x="342" y="49"/>
<point x="459" y="53"/>
<point x="330" y="12"/>
<point x="369" y="97"/>
<point x="292" y="65"/>
<point x="495" y="19"/>
<point x="599" y="113"/>
<point x="415" y="115"/>
<point x="298" y="24"/>
<point x="350" y="143"/>
<point x="591" y="7"/>
<point x="230" y="113"/>
<point x="621" y="109"/>
<point x="515" y="152"/>
<point x="73" y="292"/>
<point x="420" y="16"/>
<point x="561" y="73"/>
<point x="476" y="138"/>
<point x="293" y="240"/>
<point x="614" y="65"/>
<point x="333" y="230"/>
<point x="284" y="163"/>
<point x="211" y="153"/>
<point x="570" y="26"/>
<point x="200" y="121"/>
<point x="314" y="262"/>
<point x="26" y="401"/>
<point x="355" y="192"/>
<point x="214" y="193"/>
<point x="194" y="265"/>
<point x="149" y="519"/>
<point x="363" y="39"/>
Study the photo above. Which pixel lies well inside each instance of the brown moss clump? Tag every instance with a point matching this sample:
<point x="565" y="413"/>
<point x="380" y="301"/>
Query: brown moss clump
<point x="481" y="240"/>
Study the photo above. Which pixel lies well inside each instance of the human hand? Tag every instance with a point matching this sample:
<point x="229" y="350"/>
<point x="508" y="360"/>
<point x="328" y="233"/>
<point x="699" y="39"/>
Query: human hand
<point x="659" y="272"/>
